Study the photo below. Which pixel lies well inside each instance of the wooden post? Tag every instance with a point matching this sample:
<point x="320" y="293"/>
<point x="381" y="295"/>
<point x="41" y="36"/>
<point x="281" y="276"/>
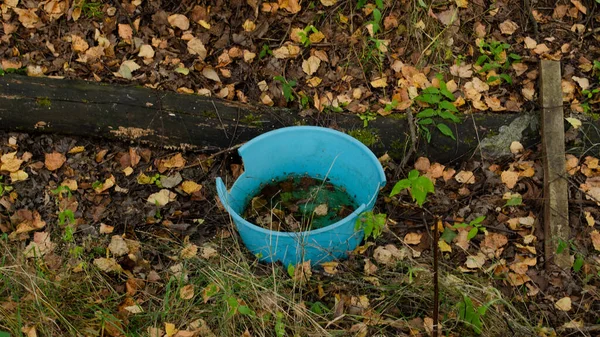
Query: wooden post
<point x="556" y="204"/>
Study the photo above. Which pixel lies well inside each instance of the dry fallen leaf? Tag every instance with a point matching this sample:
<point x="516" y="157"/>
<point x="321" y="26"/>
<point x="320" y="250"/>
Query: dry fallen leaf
<point x="380" y="82"/>
<point x="311" y="65"/>
<point x="413" y="238"/>
<point x="475" y="261"/>
<point x="190" y="187"/>
<point x="27" y="17"/>
<point x="196" y="47"/>
<point x="465" y="177"/>
<point x="187" y="292"/>
<point x="330" y="267"/>
<point x="160" y="198"/>
<point x="422" y="164"/>
<point x="180" y="21"/>
<point x="509" y="178"/>
<point x="107" y="265"/>
<point x="189" y="251"/>
<point x="564" y="304"/>
<point x="589" y="219"/>
<point x="508" y="27"/>
<point x="595" y="235"/>
<point x="117" y="246"/>
<point x="54" y="160"/>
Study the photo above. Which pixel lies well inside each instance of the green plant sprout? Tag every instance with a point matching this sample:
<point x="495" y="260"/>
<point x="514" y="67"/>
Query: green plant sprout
<point x="476" y="225"/>
<point x="68" y="235"/>
<point x="493" y="56"/>
<point x="62" y="189"/>
<point x="371" y="223"/>
<point x="471" y="314"/>
<point x="514" y="201"/>
<point x="236" y="307"/>
<point x="578" y="261"/>
<point x="588" y="95"/>
<point x="66" y="216"/>
<point x="304" y="34"/>
<point x="3" y="187"/>
<point x="367" y="117"/>
<point x="287" y="87"/>
<point x="418" y="185"/>
<point x="264" y="51"/>
<point x="441" y="107"/>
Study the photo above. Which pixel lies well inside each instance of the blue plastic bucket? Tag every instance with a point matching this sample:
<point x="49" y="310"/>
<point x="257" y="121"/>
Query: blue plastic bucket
<point x="316" y="152"/>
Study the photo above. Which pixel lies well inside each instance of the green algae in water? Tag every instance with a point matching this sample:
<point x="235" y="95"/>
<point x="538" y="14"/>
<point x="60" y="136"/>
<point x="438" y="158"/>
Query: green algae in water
<point x="299" y="203"/>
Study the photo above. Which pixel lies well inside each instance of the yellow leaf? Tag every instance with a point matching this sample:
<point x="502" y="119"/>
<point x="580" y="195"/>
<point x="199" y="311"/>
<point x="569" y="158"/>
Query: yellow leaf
<point x="127" y="171"/>
<point x="204" y="24"/>
<point x="328" y="3"/>
<point x="330" y="267"/>
<point x="576" y="123"/>
<point x="18" y="176"/>
<point x="249" y="26"/>
<point x="190" y="187"/>
<point x="595" y="239"/>
<point x="314" y="82"/>
<point x="564" y="304"/>
<point x="170" y="329"/>
<point x="589" y="219"/>
<point x="380" y="82"/>
<point x="316" y="37"/>
<point x="462" y="3"/>
<point x="77" y="149"/>
<point x="187" y="292"/>
<point x="444" y="247"/>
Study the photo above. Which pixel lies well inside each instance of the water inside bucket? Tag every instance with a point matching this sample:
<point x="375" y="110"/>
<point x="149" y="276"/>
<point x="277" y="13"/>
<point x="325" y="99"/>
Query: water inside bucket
<point x="299" y="203"/>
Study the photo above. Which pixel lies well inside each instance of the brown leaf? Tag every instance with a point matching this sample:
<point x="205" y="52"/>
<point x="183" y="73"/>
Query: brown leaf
<point x="54" y="160"/>
<point x="330" y="267"/>
<point x="117" y="246"/>
<point x="595" y="235"/>
<point x="579" y="6"/>
<point x="125" y="32"/>
<point x="187" y="292"/>
<point x="27" y="17"/>
<point x="508" y="27"/>
<point x="107" y="265"/>
<point x="302" y="272"/>
<point x="196" y="47"/>
<point x="422" y="164"/>
<point x="176" y="161"/>
<point x="78" y="44"/>
<point x="413" y="238"/>
<point x="509" y="178"/>
<point x="179" y="21"/>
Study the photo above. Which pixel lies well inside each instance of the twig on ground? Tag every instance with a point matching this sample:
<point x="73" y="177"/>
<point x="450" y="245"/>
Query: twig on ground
<point x="212" y="156"/>
<point x="413" y="138"/>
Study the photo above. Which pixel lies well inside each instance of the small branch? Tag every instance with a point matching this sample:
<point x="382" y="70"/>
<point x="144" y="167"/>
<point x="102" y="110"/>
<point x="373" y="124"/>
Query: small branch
<point x="436" y="290"/>
<point x="413" y="138"/>
<point x="227" y="150"/>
